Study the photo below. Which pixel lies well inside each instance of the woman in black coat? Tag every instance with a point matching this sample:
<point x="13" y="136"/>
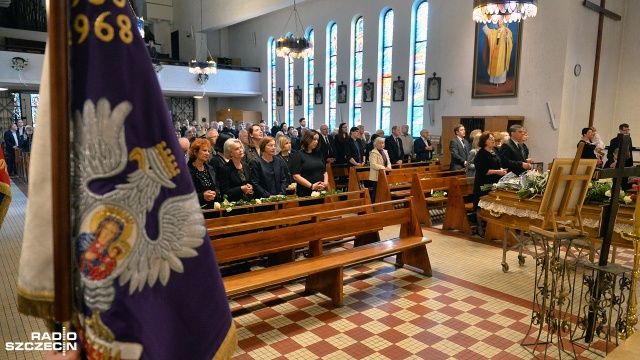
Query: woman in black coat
<point x="202" y="174"/>
<point x="235" y="175"/>
<point x="488" y="171"/>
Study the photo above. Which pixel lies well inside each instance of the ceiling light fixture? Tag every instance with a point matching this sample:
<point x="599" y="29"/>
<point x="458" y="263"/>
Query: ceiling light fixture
<point x="509" y="11"/>
<point x="293" y="46"/>
<point x="207" y="66"/>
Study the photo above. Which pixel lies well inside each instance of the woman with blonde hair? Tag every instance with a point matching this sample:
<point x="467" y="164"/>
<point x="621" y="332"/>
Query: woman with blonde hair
<point x="283" y="150"/>
<point x="378" y="159"/>
<point x="235" y="175"/>
<point x="471" y="167"/>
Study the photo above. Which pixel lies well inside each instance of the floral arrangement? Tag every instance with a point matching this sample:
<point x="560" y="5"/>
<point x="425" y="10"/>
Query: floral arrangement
<point x="325" y="193"/>
<point x="600" y="191"/>
<point x="228" y="205"/>
<point x="526" y="185"/>
<point x="439" y="194"/>
<point x="18" y="63"/>
<point x="532" y="183"/>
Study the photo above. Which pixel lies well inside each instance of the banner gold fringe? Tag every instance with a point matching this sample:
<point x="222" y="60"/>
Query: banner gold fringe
<point x="228" y="346"/>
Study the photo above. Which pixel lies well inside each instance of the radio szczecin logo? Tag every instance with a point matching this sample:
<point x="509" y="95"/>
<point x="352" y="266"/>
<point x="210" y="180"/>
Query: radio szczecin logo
<point x="58" y="341"/>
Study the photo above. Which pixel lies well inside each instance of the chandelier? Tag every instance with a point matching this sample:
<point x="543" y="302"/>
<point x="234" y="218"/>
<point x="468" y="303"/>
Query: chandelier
<point x="207" y="66"/>
<point x="509" y="11"/>
<point x="294" y="46"/>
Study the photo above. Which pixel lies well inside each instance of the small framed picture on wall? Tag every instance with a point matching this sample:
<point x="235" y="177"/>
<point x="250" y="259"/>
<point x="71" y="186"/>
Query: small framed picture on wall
<point x="367" y="91"/>
<point x="279" y="97"/>
<point x="318" y="95"/>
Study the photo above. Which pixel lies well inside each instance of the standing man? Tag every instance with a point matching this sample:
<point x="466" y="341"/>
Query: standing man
<point x="393" y="144"/>
<point x="459" y="148"/>
<point x="11" y="142"/>
<point x="422" y="147"/>
<point x="407" y="143"/>
<point x="228" y="128"/>
<point x="612" y="160"/>
<point x="212" y="136"/>
<point x="327" y="147"/>
<point x="303" y="124"/>
<point x="354" y="151"/>
<point x="614" y="144"/>
<point x="514" y="154"/>
<point x="20" y="128"/>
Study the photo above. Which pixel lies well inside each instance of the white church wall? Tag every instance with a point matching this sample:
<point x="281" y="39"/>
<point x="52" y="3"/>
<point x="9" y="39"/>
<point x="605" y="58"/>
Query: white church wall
<point x="627" y="104"/>
<point x="563" y="34"/>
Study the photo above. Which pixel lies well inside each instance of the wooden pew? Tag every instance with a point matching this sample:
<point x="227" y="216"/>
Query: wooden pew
<point x="337" y="171"/>
<point x="323" y="272"/>
<point x="397" y="184"/>
<point x="358" y="174"/>
<point x="280" y="216"/>
<point x="415" y="164"/>
<point x="455" y="217"/>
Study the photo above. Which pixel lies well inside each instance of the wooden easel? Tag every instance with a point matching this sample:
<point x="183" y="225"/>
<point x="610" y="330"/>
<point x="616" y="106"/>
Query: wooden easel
<point x="566" y="189"/>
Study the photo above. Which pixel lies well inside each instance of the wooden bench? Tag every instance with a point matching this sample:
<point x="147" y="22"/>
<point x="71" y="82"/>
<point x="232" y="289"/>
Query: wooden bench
<point x="397" y="184"/>
<point x="359" y="174"/>
<point x="281" y="216"/>
<point x="337" y="171"/>
<point x="455" y="217"/>
<point x="292" y="202"/>
<point x="324" y="272"/>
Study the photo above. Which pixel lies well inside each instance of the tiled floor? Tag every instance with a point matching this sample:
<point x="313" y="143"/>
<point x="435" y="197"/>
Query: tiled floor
<point x="469" y="309"/>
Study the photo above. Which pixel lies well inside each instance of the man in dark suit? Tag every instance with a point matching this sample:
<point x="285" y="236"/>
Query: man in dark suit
<point x="354" y="152"/>
<point x="11" y="143"/>
<point x="422" y="147"/>
<point x="303" y="124"/>
<point x="228" y="128"/>
<point x="514" y="154"/>
<point x="459" y="148"/>
<point x="615" y="144"/>
<point x="393" y="144"/>
<point x="327" y="146"/>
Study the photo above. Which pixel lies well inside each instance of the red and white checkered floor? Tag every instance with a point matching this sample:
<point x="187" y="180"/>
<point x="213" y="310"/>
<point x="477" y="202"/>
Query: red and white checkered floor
<point x="469" y="309"/>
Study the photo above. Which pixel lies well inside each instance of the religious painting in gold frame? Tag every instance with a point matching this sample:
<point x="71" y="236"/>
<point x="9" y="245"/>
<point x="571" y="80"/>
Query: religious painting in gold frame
<point x="496" y="61"/>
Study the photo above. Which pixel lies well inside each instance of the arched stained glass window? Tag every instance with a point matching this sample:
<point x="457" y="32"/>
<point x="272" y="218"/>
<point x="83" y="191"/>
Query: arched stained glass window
<point x="310" y="71"/>
<point x="358" y="46"/>
<point x="272" y="81"/>
<point x="420" y="16"/>
<point x="386" y="66"/>
<point x="332" y="63"/>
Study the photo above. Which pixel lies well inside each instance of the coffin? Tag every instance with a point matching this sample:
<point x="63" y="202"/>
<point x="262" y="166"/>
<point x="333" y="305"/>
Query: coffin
<point x="503" y="208"/>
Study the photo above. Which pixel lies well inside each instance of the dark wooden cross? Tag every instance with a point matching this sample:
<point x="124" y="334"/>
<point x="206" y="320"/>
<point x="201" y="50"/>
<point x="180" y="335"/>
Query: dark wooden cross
<point x="596" y="69"/>
<point x="609" y="214"/>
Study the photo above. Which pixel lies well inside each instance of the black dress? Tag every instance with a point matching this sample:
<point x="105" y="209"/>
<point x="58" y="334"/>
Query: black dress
<point x="588" y="151"/>
<point x="287" y="167"/>
<point x="204" y="180"/>
<point x="232" y="179"/>
<point x="341" y="146"/>
<point x="310" y="166"/>
<point x="484" y="162"/>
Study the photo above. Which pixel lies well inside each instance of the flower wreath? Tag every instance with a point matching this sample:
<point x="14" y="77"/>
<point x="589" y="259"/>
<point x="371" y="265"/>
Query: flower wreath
<point x="19" y="63"/>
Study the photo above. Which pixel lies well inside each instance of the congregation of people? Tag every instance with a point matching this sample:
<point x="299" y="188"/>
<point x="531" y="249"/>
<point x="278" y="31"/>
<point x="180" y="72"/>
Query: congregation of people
<point x="251" y="161"/>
